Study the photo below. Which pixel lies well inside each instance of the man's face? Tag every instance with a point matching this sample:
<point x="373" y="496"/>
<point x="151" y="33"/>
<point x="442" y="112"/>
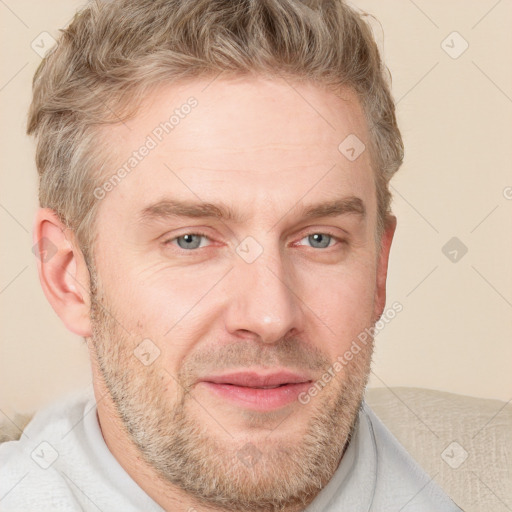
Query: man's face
<point x="197" y="319"/>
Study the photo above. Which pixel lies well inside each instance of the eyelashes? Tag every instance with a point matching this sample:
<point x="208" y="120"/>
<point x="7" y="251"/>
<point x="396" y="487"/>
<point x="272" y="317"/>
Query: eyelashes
<point x="174" y="241"/>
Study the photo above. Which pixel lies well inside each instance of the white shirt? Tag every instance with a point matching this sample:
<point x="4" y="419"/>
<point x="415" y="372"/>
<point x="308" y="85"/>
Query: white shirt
<point x="62" y="463"/>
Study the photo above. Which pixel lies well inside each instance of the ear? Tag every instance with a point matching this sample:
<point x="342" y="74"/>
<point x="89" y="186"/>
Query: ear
<point x="62" y="271"/>
<point x="382" y="266"/>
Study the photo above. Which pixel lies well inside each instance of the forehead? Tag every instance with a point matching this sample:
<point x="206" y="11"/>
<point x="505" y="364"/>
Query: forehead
<point x="253" y="141"/>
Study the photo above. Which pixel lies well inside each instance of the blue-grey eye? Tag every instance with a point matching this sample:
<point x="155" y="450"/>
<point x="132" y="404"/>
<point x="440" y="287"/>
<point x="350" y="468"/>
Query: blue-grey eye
<point x="320" y="240"/>
<point x="189" y="242"/>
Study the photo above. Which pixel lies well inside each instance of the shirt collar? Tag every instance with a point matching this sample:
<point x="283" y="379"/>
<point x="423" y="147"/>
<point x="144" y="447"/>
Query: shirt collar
<point x="351" y="487"/>
<point x="353" y="484"/>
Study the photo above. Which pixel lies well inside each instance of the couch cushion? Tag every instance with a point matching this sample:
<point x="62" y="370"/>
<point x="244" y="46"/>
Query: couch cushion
<point x="464" y="443"/>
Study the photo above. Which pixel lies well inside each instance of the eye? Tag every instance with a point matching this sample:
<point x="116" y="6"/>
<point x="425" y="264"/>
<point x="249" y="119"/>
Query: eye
<point x="320" y="240"/>
<point x="191" y="241"/>
<point x="187" y="241"/>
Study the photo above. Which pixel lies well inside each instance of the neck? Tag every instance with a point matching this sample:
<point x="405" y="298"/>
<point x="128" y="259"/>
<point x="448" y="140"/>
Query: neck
<point x="168" y="496"/>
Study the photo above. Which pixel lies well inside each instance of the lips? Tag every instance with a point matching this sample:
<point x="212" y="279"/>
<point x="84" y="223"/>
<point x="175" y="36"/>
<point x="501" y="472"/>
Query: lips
<point x="258" y="391"/>
<point x="257" y="380"/>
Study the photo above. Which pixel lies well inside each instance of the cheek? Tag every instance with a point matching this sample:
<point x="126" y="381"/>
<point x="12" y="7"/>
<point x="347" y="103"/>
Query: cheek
<point x="343" y="303"/>
<point x="161" y="307"/>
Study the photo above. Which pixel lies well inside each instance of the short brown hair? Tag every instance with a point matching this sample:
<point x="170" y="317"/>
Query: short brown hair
<point x="113" y="52"/>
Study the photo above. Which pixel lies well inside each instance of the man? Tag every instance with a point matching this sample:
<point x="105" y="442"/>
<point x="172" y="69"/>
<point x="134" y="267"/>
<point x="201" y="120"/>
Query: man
<point x="215" y="223"/>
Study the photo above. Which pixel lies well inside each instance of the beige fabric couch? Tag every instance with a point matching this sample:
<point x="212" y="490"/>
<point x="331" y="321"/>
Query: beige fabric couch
<point x="463" y="443"/>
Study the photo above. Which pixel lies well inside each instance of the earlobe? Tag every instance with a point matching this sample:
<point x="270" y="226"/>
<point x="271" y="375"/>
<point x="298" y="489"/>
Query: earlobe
<point x="62" y="271"/>
<point x="382" y="266"/>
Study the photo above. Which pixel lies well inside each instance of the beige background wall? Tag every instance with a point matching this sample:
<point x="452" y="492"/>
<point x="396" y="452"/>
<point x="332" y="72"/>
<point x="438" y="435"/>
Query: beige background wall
<point x="455" y="330"/>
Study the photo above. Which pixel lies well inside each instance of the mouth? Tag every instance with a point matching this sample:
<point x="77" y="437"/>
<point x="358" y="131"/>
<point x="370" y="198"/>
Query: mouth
<point x="258" y="391"/>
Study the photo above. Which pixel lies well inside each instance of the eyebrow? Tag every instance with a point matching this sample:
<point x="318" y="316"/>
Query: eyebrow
<point x="169" y="208"/>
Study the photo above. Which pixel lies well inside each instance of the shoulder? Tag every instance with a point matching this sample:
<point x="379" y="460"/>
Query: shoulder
<point x="32" y="467"/>
<point x="400" y="480"/>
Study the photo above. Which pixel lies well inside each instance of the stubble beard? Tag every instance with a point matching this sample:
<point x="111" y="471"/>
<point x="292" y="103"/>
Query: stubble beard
<point x="211" y="468"/>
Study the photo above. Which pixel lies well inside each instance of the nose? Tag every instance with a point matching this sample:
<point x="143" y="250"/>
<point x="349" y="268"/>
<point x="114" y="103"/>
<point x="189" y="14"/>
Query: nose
<point x="264" y="300"/>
